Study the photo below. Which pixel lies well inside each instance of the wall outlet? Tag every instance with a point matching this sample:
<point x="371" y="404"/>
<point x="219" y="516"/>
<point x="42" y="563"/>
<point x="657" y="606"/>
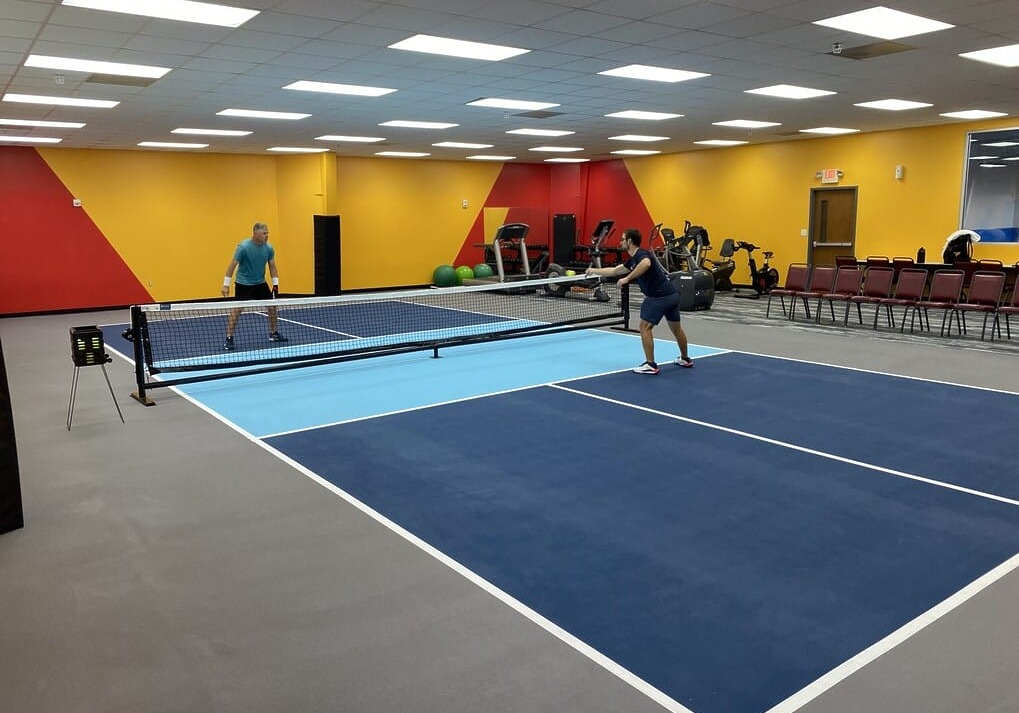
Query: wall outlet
<point x="900" y="172"/>
<point x="803" y="232"/>
<point x="76" y="202"/>
<point x="463" y="204"/>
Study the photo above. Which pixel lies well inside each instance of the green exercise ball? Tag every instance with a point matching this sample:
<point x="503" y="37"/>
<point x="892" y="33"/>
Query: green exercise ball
<point x="482" y="270"/>
<point x="463" y="273"/>
<point x="444" y="276"/>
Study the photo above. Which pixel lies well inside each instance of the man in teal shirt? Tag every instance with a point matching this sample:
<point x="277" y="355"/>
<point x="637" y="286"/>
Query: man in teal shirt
<point x="250" y="259"/>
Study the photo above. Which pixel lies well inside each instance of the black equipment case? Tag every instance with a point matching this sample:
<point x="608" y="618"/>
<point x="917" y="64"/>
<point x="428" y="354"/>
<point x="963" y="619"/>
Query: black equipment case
<point x="696" y="289"/>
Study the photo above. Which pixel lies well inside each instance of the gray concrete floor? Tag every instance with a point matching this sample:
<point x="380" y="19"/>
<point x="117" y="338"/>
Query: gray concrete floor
<point x="168" y="564"/>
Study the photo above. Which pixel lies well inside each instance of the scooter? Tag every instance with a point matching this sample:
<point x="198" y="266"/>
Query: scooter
<point x="762" y="280"/>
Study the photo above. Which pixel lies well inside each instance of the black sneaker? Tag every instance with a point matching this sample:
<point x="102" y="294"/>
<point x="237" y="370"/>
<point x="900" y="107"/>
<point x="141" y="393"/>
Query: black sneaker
<point x="277" y="337"/>
<point x="229" y="345"/>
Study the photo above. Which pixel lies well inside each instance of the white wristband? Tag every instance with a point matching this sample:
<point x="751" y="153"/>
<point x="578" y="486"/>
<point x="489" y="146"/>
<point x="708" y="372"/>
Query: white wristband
<point x="226" y="281"/>
<point x="275" y="282"/>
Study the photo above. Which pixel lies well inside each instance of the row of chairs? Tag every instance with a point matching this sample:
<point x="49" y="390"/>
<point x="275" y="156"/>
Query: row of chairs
<point x="878" y="286"/>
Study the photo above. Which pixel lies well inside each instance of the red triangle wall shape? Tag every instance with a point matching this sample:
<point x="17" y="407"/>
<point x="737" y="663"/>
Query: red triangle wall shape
<point x="55" y="258"/>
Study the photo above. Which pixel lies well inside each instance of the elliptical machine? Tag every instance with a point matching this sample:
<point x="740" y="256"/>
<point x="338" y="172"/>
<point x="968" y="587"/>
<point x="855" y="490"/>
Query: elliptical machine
<point x="762" y="280"/>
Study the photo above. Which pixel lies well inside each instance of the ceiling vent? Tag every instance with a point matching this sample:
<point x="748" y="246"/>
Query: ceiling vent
<point x="541" y="114"/>
<point x="122" y="81"/>
<point x="874" y="49"/>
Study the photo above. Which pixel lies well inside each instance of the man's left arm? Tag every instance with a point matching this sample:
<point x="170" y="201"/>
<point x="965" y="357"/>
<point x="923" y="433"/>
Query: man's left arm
<point x="274" y="274"/>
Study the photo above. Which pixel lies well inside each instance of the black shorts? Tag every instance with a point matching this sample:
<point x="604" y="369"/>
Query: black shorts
<point x="260" y="291"/>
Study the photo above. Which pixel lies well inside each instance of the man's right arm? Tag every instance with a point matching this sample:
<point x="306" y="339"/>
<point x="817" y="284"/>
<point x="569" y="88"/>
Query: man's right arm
<point x="228" y="278"/>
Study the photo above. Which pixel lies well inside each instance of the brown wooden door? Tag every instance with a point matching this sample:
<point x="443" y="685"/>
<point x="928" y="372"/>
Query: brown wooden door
<point x="832" y="224"/>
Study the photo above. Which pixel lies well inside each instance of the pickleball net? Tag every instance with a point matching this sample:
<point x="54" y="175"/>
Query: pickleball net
<point x="185" y="342"/>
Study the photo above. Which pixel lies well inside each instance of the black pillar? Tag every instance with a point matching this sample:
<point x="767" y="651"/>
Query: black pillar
<point x="12" y="515"/>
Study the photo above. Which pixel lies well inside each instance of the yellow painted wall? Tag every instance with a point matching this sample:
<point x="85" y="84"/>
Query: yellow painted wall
<point x="173" y="217"/>
<point x="399" y="218"/>
<point x="761" y="193"/>
<point x="302" y="192"/>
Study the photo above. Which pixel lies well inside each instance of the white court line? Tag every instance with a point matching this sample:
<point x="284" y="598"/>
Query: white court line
<point x="552" y="628"/>
<point x="875" y="651"/>
<point x="879" y="373"/>
<point x="794" y="447"/>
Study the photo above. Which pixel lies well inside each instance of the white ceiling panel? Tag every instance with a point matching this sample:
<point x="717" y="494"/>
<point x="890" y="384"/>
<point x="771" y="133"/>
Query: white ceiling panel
<point x="743" y="44"/>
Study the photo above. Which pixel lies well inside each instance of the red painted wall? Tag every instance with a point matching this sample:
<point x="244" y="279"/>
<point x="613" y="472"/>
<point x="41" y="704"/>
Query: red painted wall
<point x="54" y="257"/>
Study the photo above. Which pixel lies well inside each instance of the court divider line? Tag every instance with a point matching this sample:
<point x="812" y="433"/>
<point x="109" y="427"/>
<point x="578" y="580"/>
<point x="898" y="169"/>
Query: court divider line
<point x="875" y="651"/>
<point x="794" y="447"/>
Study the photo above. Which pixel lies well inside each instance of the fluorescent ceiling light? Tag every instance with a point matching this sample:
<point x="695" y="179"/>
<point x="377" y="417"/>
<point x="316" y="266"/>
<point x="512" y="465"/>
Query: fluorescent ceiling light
<point x="997" y="144"/>
<point x="653" y="74"/>
<point x="893" y="104"/>
<point x="330" y="88"/>
<point x="256" y="114"/>
<point x="789" y="91"/>
<point x="60" y="101"/>
<point x="635" y="152"/>
<point x="638" y="137"/>
<point x="296" y="149"/>
<point x="183" y="10"/>
<point x="170" y="145"/>
<point x="30" y="139"/>
<point x="418" y="124"/>
<point x="351" y="139"/>
<point x="564" y="159"/>
<point x="482" y="157"/>
<point x="884" y="23"/>
<point x="457" y="48"/>
<point x="462" y="145"/>
<point x="540" y="132"/>
<point x="973" y="114"/>
<point x="1011" y="158"/>
<point x="495" y="103"/>
<point x="829" y="130"/>
<point x="719" y="142"/>
<point x="95" y="67"/>
<point x="645" y="115"/>
<point x="402" y="154"/>
<point x="44" y="124"/>
<point x="560" y="149"/>
<point x="993" y="165"/>
<point x="981" y="158"/>
<point x="1006" y="56"/>
<point x="211" y="132"/>
<point x="746" y="124"/>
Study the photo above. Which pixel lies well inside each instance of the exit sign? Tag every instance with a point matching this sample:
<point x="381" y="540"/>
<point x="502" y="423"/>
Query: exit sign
<point x="830" y="175"/>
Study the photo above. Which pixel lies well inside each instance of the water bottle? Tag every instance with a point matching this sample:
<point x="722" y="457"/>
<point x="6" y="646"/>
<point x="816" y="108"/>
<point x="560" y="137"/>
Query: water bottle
<point x="921" y="255"/>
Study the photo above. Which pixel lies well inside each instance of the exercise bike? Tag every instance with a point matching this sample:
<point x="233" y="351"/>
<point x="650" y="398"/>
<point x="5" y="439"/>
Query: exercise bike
<point x="762" y="280"/>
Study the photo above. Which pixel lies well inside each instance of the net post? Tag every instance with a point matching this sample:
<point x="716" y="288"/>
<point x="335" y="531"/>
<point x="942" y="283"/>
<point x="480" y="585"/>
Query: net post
<point x="141" y="334"/>
<point x="624" y="296"/>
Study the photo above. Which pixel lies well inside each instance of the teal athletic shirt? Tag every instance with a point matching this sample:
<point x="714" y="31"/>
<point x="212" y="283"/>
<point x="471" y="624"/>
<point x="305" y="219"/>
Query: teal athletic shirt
<point x="251" y="260"/>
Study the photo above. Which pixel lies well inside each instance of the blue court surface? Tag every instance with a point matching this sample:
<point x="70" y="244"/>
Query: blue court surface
<point x="726" y="537"/>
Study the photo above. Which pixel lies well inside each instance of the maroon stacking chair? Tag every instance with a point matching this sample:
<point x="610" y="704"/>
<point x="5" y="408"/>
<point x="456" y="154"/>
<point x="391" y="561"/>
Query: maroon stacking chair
<point x="946" y="291"/>
<point x="1006" y="311"/>
<point x="908" y="291"/>
<point x="822" y="280"/>
<point x="796" y="279"/>
<point x="847" y="285"/>
<point x="878" y="261"/>
<point x="841" y="260"/>
<point x="899" y="264"/>
<point x="877" y="286"/>
<point x="985" y="288"/>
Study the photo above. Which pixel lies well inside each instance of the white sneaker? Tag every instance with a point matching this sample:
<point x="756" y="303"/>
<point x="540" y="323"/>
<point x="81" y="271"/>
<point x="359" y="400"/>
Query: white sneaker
<point x="646" y="368"/>
<point x="685" y="363"/>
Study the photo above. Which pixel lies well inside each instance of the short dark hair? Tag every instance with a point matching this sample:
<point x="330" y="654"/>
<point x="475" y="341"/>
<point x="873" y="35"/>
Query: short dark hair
<point x="633" y="235"/>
